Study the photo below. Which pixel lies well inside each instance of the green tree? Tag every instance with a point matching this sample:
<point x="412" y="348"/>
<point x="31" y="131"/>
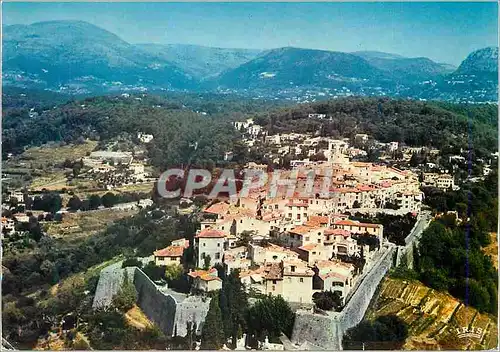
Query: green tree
<point x="173" y="272"/>
<point x="271" y="315"/>
<point x="233" y="302"/>
<point x="94" y="201"/>
<point x="384" y="333"/>
<point x="206" y="262"/>
<point x="245" y="238"/>
<point x="74" y="203"/>
<point x="77" y="167"/>
<point x="126" y="296"/>
<point x="109" y="199"/>
<point x="212" y="333"/>
<point x="328" y="300"/>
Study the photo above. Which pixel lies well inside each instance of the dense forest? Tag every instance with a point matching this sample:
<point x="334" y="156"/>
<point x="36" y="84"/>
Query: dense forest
<point x="450" y="254"/>
<point x="433" y="124"/>
<point x="30" y="271"/>
<point x="178" y="121"/>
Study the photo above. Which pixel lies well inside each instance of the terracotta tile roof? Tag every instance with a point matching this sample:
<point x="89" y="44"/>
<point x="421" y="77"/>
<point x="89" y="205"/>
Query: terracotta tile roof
<point x="258" y="271"/>
<point x="308" y="247"/>
<point x="365" y="187"/>
<point x="218" y="208"/>
<point x="333" y="274"/>
<point x="205" y="275"/>
<point x="170" y="251"/>
<point x="355" y="223"/>
<point x="302" y="229"/>
<point x="211" y="233"/>
<point x="398" y="171"/>
<point x="275" y="272"/>
<point x="272" y="216"/>
<point x="275" y="248"/>
<point x="315" y="221"/>
<point x="340" y="232"/>
<point x="333" y="264"/>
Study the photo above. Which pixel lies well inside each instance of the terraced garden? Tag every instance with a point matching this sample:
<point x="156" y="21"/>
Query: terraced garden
<point x="433" y="317"/>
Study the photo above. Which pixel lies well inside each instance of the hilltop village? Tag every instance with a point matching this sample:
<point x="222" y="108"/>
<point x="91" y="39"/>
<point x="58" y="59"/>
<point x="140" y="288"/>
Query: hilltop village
<point x="91" y="211"/>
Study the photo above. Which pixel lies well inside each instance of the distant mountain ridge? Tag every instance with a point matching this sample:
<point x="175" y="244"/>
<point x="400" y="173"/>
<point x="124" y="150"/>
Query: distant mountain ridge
<point x="79" y="57"/>
<point x="480" y="61"/>
<point x="57" y="52"/>
<point x="201" y="61"/>
<point x="300" y="67"/>
<point x="404" y="68"/>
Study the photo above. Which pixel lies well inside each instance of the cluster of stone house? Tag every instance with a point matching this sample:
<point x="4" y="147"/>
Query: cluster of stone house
<point x="441" y="181"/>
<point x="320" y="247"/>
<point x="310" y="258"/>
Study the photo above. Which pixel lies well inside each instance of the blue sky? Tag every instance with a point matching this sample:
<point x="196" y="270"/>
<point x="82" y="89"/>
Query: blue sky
<point x="444" y="32"/>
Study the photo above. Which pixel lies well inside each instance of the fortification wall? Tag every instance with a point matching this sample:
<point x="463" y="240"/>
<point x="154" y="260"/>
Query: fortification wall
<point x="157" y="306"/>
<point x="355" y="309"/>
<point x="170" y="310"/>
<point x="327" y="330"/>
<point x="192" y="309"/>
<point x="110" y="281"/>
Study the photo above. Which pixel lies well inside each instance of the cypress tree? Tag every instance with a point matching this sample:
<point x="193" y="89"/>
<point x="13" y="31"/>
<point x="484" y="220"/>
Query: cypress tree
<point x="212" y="334"/>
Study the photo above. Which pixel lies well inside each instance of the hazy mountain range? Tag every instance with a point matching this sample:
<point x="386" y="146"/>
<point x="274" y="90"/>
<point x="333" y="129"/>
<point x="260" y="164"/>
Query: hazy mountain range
<point x="69" y="54"/>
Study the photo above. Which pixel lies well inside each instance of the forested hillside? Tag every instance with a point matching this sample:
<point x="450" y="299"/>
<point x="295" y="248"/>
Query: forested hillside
<point x="412" y="122"/>
<point x="179" y="120"/>
<point x="176" y="122"/>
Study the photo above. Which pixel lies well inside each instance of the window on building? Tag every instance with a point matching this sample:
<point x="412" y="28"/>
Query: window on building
<point x="276" y="206"/>
<point x="241" y="221"/>
<point x="274" y="282"/>
<point x="274" y="288"/>
<point x="222" y="228"/>
<point x="203" y="255"/>
<point x="204" y="244"/>
<point x="292" y="268"/>
<point x="275" y="257"/>
<point x="218" y="244"/>
<point x="217" y="255"/>
<point x="298" y="216"/>
<point x="319" y="240"/>
<point x="301" y="279"/>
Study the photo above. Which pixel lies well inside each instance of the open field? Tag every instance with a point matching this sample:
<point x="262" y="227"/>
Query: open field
<point x="41" y="163"/>
<point x="54" y="154"/>
<point x="82" y="224"/>
<point x="432" y="317"/>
